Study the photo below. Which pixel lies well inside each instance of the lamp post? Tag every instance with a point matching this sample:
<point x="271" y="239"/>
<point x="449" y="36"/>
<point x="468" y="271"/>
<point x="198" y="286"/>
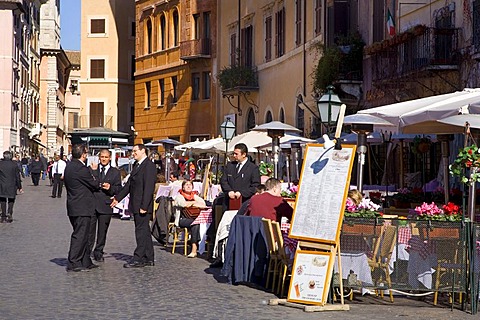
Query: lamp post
<point x="386" y="138"/>
<point x="227" y="130"/>
<point x="329" y="108"/>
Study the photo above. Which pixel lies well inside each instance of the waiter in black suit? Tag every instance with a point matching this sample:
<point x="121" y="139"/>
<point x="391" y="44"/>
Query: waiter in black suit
<point x="140" y="185"/>
<point x="80" y="185"/>
<point x="241" y="177"/>
<point x="10" y="182"/>
<point x="109" y="179"/>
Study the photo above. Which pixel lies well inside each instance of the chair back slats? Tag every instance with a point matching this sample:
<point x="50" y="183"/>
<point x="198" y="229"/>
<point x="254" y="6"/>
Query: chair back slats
<point x="277" y="234"/>
<point x="267" y="225"/>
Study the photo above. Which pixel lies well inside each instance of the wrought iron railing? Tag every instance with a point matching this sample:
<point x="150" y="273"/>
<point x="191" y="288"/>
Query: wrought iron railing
<point x="195" y="48"/>
<point x="88" y="121"/>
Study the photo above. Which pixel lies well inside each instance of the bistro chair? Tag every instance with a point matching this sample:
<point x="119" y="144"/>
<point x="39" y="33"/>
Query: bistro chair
<point x="284" y="262"/>
<point x="273" y="252"/>
<point x="174" y="230"/>
<point x="449" y="268"/>
<point x="382" y="254"/>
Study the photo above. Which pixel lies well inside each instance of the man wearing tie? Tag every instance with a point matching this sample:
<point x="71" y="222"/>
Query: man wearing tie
<point x="58" y="169"/>
<point x="110" y="183"/>
<point x="241" y="177"/>
<point x="141" y="186"/>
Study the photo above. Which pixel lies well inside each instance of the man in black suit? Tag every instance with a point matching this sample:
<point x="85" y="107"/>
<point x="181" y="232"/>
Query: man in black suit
<point x="10" y="182"/>
<point x="140" y="185"/>
<point x="241" y="177"/>
<point x="80" y="185"/>
<point x="109" y="179"/>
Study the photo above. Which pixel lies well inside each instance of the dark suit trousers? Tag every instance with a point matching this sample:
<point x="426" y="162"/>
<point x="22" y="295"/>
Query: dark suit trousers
<point x="57" y="185"/>
<point x="3" y="206"/>
<point x="79" y="253"/>
<point x="35" y="178"/>
<point x="144" y="250"/>
<point x="103" y="222"/>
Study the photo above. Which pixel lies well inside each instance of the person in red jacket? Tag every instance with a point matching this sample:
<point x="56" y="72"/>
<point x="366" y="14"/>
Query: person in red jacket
<point x="270" y="204"/>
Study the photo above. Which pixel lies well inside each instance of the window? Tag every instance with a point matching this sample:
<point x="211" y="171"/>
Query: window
<point x="195" y="86"/>
<point x="282" y="115"/>
<point x="175" y="28"/>
<point x="268" y="38"/>
<point x="132" y="115"/>
<point x="97" y="26"/>
<point x="247" y="46"/>
<point x="175" y="89"/>
<point x="132" y="29"/>
<point x="268" y="117"/>
<point x="148" y="91"/>
<point x="162" y="33"/>
<point x="206" y="25"/>
<point x="196" y="26"/>
<point x="97" y="68"/>
<point x="298" y="22"/>
<point x="318" y="16"/>
<point x="250" y="119"/>
<point x="161" y="92"/>
<point x="96" y="114"/>
<point x="300" y="120"/>
<point x="132" y="67"/>
<point x="149" y="36"/>
<point x="280" y="33"/>
<point x="233" y="49"/>
<point x="206" y="85"/>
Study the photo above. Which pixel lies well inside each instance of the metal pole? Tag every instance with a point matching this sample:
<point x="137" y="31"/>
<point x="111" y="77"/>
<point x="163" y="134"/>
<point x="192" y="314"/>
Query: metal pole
<point x="226" y="151"/>
<point x="361" y="150"/>
<point x="276" y="146"/>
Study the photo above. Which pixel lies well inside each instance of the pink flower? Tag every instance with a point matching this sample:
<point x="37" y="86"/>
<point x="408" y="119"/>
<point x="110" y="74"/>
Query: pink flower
<point x="350" y="206"/>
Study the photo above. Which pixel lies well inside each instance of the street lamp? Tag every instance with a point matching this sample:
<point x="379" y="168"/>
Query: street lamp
<point x="329" y="107"/>
<point x="227" y="130"/>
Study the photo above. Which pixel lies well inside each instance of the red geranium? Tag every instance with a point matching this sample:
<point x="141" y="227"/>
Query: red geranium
<point x="451" y="209"/>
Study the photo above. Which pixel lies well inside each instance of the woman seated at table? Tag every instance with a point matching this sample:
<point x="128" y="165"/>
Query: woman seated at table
<point x="189" y="198"/>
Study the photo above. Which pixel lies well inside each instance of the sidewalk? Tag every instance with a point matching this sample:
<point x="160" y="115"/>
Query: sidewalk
<point x="35" y="285"/>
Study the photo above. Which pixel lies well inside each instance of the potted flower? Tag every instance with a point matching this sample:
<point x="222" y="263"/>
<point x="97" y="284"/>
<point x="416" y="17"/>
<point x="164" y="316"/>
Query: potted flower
<point x="266" y="170"/>
<point x="468" y="159"/>
<point x="421" y="144"/>
<point x="361" y="218"/>
<point x="290" y="195"/>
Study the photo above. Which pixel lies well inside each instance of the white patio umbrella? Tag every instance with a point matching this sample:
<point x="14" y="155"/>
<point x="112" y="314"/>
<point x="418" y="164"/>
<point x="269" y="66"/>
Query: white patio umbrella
<point x="251" y="139"/>
<point x="188" y="145"/>
<point x="207" y="146"/>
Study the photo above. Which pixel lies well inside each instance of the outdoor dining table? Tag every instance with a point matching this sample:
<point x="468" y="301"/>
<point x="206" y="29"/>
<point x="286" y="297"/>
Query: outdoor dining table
<point x="204" y="219"/>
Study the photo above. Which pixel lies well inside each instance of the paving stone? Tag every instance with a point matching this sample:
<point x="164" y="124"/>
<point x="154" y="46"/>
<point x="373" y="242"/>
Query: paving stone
<point x="35" y="285"/>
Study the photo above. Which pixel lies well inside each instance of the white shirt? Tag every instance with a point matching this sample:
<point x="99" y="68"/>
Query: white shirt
<point x="241" y="164"/>
<point x="100" y="166"/>
<point x="59" y="167"/>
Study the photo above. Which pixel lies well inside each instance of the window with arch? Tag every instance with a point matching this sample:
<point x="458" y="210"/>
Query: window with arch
<point x="163" y="38"/>
<point x="250" y="119"/>
<point x="149" y="35"/>
<point x="268" y="117"/>
<point x="300" y="120"/>
<point x="175" y="28"/>
<point x="282" y="115"/>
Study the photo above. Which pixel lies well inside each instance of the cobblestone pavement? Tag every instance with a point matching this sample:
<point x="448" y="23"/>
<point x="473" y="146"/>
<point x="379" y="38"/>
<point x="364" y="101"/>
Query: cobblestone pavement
<point x="35" y="285"/>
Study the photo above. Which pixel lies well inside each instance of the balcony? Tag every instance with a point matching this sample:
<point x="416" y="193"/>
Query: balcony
<point x="195" y="49"/>
<point x="86" y="122"/>
<point x="419" y="50"/>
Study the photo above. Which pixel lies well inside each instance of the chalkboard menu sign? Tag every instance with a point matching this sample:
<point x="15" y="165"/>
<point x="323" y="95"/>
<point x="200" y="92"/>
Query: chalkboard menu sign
<point x="322" y="193"/>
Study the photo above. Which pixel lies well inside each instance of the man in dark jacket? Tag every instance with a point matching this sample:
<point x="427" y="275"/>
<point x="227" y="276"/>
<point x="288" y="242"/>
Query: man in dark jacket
<point x="10" y="182"/>
<point x="140" y="185"/>
<point x="109" y="179"/>
<point x="80" y="185"/>
<point x="35" y="169"/>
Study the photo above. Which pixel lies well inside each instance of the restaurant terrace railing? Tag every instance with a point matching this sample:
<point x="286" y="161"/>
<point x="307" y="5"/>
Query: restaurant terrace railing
<point x="410" y="257"/>
<point x="419" y="49"/>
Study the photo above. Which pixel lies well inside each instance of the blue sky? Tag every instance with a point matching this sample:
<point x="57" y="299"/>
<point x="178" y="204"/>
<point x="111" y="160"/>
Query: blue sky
<point x="70" y="24"/>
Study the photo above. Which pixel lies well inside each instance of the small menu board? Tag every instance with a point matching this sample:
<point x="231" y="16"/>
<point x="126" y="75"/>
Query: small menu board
<point x="310" y="277"/>
<point x="322" y="193"/>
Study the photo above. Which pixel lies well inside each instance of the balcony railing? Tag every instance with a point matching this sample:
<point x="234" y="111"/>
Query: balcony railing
<point x="85" y="122"/>
<point x="197" y="48"/>
<point x="417" y="50"/>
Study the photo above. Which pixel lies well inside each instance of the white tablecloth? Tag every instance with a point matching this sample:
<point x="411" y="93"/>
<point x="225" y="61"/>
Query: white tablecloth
<point x="358" y="263"/>
<point x="223" y="229"/>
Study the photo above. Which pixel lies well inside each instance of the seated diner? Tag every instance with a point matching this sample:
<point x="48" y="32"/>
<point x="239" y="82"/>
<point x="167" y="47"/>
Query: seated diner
<point x="270" y="204"/>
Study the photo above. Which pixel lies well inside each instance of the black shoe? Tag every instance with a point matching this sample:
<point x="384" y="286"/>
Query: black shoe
<point x="9" y="219"/>
<point x="98" y="258"/>
<point x="59" y="196"/>
<point x="92" y="266"/>
<point x="216" y="264"/>
<point x="3" y="219"/>
<point x="134" y="264"/>
<point x="77" y="269"/>
<point x="52" y="196"/>
<point x="149" y="263"/>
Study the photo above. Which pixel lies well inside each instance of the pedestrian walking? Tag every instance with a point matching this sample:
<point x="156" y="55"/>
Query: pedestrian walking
<point x="57" y="169"/>
<point x="140" y="186"/>
<point x="80" y="185"/>
<point x="10" y="182"/>
<point x="35" y="169"/>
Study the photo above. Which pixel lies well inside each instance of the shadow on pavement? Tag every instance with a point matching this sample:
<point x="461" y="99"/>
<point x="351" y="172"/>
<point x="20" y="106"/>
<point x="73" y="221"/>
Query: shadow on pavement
<point x="60" y="261"/>
<point x="122" y="256"/>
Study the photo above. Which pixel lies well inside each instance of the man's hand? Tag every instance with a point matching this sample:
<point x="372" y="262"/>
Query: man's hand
<point x="142" y="211"/>
<point x="106" y="186"/>
<point x="237" y="195"/>
<point x="114" y="202"/>
<point x="231" y="194"/>
<point x="94" y="166"/>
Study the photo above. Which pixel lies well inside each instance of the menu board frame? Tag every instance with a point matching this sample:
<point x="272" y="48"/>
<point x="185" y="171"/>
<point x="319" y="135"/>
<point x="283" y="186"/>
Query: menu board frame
<point x="317" y="163"/>
<point x="311" y="274"/>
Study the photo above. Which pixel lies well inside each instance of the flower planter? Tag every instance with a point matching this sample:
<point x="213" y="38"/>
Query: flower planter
<point x="290" y="201"/>
<point x="439" y="229"/>
<point x="401" y="204"/>
<point x="361" y="226"/>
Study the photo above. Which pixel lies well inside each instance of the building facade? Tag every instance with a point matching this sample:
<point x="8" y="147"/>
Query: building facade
<point x="107" y="59"/>
<point x="72" y="95"/>
<point x="175" y="96"/>
<point x="19" y="76"/>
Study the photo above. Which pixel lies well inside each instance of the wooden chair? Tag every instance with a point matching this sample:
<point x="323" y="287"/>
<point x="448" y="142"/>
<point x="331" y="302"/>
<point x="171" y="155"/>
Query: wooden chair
<point x="382" y="254"/>
<point x="449" y="268"/>
<point x="174" y="230"/>
<point x="284" y="261"/>
<point x="273" y="252"/>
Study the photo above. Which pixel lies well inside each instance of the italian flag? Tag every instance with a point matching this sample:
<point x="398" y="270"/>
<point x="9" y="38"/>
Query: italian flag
<point x="390" y="24"/>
